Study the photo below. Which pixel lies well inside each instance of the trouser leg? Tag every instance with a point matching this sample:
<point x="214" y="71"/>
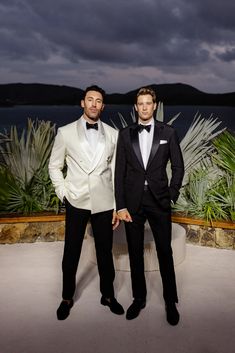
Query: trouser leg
<point x="75" y="226"/>
<point x="162" y="238"/>
<point x="135" y="241"/>
<point x="160" y="223"/>
<point x="103" y="236"/>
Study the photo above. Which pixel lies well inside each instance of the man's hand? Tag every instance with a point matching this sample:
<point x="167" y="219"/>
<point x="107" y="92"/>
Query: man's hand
<point x="115" y="220"/>
<point x="124" y="215"/>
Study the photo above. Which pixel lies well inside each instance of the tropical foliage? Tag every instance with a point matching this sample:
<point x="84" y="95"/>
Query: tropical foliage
<point x="209" y="191"/>
<point x="25" y="184"/>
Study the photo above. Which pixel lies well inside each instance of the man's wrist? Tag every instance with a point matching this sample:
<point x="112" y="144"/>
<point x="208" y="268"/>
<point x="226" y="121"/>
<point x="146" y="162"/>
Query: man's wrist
<point x="122" y="209"/>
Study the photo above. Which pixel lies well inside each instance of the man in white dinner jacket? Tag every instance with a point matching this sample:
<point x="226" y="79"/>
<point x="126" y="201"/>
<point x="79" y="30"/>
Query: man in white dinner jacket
<point x="87" y="148"/>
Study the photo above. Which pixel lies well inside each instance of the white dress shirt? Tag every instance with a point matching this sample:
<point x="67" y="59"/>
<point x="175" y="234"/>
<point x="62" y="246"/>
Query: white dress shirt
<point x="92" y="135"/>
<point x="146" y="141"/>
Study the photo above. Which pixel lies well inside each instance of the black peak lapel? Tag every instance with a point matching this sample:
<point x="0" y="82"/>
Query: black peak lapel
<point x="156" y="142"/>
<point x="134" y="135"/>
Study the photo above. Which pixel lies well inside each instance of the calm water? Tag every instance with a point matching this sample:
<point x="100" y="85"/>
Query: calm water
<point x="62" y="115"/>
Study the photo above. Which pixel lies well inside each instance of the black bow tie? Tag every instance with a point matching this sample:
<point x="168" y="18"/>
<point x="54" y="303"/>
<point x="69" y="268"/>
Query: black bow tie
<point x="142" y="127"/>
<point x="92" y="126"/>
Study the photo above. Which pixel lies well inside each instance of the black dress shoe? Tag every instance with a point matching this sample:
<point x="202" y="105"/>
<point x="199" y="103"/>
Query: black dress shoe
<point x="64" y="309"/>
<point x="113" y="305"/>
<point x="172" y="314"/>
<point x="134" y="309"/>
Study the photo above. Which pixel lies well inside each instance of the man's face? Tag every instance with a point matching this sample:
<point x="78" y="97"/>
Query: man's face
<point x="92" y="105"/>
<point x="145" y="107"/>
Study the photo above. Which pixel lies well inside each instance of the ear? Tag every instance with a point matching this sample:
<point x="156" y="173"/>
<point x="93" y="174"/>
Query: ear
<point x="155" y="106"/>
<point x="135" y="107"/>
<point x="82" y="103"/>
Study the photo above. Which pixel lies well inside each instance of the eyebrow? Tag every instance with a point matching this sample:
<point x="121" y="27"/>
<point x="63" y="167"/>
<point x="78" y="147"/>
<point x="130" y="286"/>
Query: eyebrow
<point x="96" y="98"/>
<point x="148" y="102"/>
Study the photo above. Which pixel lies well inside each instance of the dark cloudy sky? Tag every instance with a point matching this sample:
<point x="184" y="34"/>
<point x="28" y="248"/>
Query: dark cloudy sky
<point x="119" y="44"/>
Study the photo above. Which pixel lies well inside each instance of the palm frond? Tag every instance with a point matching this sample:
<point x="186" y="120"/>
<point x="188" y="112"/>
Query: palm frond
<point x="170" y="122"/>
<point x="225" y="147"/>
<point x="196" y="143"/>
<point x="25" y="168"/>
<point x="160" y="112"/>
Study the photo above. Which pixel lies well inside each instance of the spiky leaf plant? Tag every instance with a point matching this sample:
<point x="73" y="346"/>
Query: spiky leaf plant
<point x="26" y="185"/>
<point x="196" y="144"/>
<point x="225" y="147"/>
<point x="210" y="191"/>
<point x="224" y="158"/>
<point x="198" y="196"/>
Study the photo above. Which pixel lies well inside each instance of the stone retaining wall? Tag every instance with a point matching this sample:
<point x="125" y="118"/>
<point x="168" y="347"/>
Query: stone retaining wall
<point x="12" y="233"/>
<point x="44" y="230"/>
<point x="211" y="237"/>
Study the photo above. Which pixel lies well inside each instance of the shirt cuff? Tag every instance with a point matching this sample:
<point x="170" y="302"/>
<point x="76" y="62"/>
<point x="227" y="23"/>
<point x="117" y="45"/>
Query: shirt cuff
<point x="122" y="209"/>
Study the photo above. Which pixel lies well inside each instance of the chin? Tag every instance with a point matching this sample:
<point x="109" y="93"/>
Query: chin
<point x="93" y="118"/>
<point x="145" y="119"/>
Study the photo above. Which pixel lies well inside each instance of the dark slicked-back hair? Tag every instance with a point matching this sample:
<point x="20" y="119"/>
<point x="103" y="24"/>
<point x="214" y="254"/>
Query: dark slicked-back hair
<point x="147" y="90"/>
<point x="95" y="88"/>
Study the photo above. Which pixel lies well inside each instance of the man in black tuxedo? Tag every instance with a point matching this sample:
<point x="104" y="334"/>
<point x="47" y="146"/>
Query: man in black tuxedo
<point x="143" y="193"/>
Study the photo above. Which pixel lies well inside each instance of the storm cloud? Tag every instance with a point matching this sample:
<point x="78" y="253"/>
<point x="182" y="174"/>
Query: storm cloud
<point x="120" y="45"/>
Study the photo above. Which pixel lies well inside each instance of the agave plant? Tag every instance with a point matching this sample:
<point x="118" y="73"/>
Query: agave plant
<point x="195" y="145"/>
<point x="210" y="191"/>
<point x="224" y="158"/>
<point x="225" y="197"/>
<point x="26" y="185"/>
<point x="198" y="195"/>
<point x="225" y="147"/>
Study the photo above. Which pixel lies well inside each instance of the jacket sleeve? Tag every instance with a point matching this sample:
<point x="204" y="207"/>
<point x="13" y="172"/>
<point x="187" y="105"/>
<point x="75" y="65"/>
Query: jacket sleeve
<point x="120" y="171"/>
<point x="56" y="165"/>
<point x="177" y="167"/>
<point x="113" y="162"/>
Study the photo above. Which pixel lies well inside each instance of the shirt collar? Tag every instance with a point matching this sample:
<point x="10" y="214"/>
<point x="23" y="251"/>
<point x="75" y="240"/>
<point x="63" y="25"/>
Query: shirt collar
<point x="151" y="122"/>
<point x="84" y="122"/>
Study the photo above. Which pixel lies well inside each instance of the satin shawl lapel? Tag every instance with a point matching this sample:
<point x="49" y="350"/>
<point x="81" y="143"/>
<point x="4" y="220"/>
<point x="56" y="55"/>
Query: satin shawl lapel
<point x="98" y="153"/>
<point x="134" y="135"/>
<point x="83" y="144"/>
<point x="91" y="157"/>
<point x="155" y="144"/>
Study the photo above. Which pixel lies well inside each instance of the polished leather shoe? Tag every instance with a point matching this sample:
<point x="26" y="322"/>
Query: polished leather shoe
<point x="172" y="314"/>
<point x="134" y="309"/>
<point x="64" y="309"/>
<point x="113" y="305"/>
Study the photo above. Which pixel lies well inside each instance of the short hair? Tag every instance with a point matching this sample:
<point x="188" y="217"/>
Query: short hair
<point x="95" y="88"/>
<point x="146" y="90"/>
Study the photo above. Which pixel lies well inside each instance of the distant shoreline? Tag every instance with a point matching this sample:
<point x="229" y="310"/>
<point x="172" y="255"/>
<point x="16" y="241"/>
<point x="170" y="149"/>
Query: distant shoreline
<point x="171" y="94"/>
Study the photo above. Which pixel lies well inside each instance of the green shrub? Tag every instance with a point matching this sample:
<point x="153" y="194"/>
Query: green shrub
<point x="25" y="183"/>
<point x="210" y="190"/>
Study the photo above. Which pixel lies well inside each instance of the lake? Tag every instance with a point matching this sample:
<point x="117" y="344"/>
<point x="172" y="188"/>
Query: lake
<point x="62" y="115"/>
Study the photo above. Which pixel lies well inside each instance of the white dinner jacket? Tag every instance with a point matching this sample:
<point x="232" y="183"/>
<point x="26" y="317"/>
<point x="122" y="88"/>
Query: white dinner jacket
<point x="89" y="180"/>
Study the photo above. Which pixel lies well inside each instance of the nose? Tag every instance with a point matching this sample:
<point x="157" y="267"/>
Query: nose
<point x="144" y="107"/>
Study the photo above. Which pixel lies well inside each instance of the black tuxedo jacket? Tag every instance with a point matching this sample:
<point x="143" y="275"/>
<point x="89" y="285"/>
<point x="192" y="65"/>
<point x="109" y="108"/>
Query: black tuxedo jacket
<point x="130" y="174"/>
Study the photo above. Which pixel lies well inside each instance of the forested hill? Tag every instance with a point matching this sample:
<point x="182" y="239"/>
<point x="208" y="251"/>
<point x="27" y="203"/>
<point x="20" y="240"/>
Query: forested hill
<point x="169" y="94"/>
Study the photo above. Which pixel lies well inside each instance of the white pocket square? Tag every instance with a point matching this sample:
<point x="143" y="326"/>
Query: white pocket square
<point x="162" y="142"/>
